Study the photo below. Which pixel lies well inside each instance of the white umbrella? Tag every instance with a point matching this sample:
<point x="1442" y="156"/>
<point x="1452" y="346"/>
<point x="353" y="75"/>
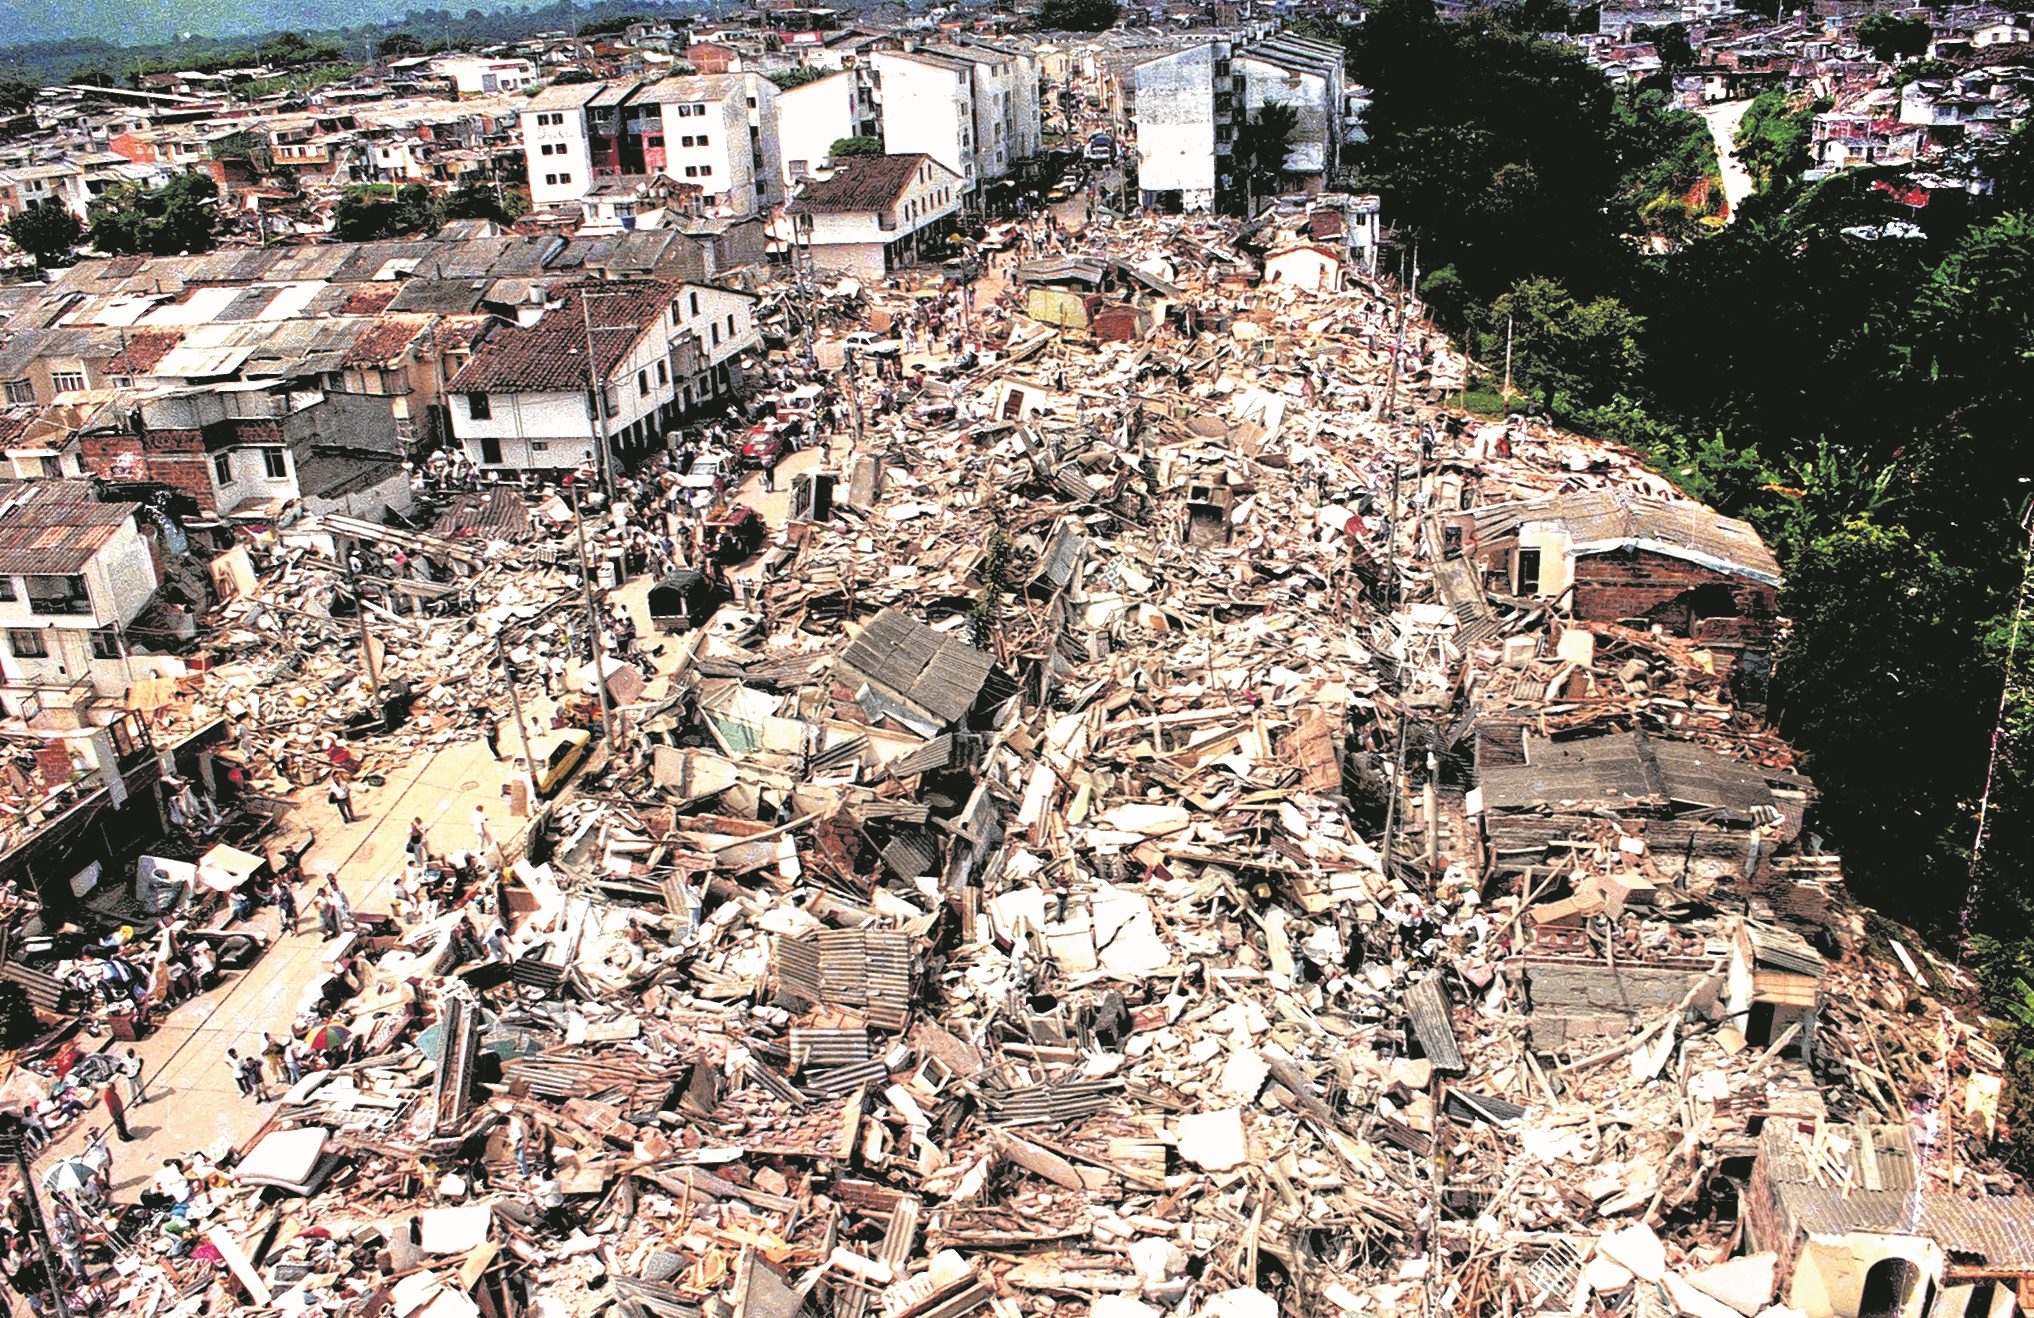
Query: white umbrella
<point x="70" y="1176"/>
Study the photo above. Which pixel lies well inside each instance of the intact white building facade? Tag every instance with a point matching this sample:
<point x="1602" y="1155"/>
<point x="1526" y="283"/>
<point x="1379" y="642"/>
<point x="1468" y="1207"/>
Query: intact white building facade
<point x="1185" y="126"/>
<point x="63" y="605"/>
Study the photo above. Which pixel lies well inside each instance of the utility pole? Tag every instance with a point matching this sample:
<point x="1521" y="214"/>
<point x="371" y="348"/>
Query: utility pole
<point x="515" y="700"/>
<point x="598" y="395"/>
<point x="1507" y="356"/>
<point x="593" y="618"/>
<point x="14" y="1146"/>
<point x="807" y="279"/>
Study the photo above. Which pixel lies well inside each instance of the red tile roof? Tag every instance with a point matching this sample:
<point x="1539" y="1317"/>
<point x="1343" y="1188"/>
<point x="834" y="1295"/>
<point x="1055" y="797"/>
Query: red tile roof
<point x="870" y="183"/>
<point x="370" y="298"/>
<point x="52" y="528"/>
<point x="145" y="347"/>
<point x="550" y="356"/>
<point x="385" y="341"/>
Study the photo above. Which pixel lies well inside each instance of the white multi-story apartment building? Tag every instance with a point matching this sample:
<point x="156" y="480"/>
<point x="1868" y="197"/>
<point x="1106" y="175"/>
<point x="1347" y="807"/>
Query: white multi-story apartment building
<point x="555" y="143"/>
<point x="1185" y="113"/>
<point x="974" y="108"/>
<point x="718" y="132"/>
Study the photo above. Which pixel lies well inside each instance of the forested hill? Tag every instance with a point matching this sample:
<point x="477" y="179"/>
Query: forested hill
<point x="42" y="41"/>
<point x="1863" y="400"/>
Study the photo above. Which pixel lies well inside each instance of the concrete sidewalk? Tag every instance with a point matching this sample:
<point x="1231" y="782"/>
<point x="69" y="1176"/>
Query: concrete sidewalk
<point x="193" y="1101"/>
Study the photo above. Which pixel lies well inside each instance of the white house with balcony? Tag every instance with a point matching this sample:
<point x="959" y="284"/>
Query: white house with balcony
<point x="875" y="214"/>
<point x="525" y="401"/>
<point x="73" y="573"/>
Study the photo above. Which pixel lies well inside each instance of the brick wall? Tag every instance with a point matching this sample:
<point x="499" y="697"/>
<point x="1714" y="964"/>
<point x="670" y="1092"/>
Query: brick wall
<point x="1636" y="583"/>
<point x="176" y="458"/>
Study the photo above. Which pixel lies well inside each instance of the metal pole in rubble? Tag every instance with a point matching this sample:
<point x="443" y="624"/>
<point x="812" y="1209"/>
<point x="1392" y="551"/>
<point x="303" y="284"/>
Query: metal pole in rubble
<point x="360" y="616"/>
<point x="14" y="1146"/>
<point x="593" y="620"/>
<point x="597" y="394"/>
<point x="515" y="701"/>
<point x="1507" y="359"/>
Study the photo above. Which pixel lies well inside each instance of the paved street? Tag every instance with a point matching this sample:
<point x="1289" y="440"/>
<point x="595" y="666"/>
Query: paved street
<point x="193" y="1101"/>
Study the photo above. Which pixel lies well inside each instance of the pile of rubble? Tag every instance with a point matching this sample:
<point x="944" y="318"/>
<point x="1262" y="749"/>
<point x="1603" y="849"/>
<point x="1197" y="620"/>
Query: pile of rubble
<point x="1170" y="842"/>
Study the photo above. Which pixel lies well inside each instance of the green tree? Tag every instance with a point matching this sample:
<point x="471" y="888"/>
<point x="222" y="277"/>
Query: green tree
<point x="396" y="45"/>
<point x="367" y="214"/>
<point x="1773" y="139"/>
<point x="1262" y="141"/>
<point x="574" y="77"/>
<point x="476" y="199"/>
<point x="91" y="75"/>
<point x="1891" y="38"/>
<point x="1079" y="15"/>
<point x="786" y="79"/>
<point x="46" y="230"/>
<point x="1569" y="353"/>
<point x="603" y="27"/>
<point x="1670" y="41"/>
<point x="845" y="148"/>
<point x="16" y="94"/>
<point x="180" y="216"/>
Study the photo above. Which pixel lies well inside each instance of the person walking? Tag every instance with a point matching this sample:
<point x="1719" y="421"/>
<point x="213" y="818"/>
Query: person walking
<point x="417" y="849"/>
<point x="285" y="905"/>
<point x="340" y="905"/>
<point x="257" y="1084"/>
<point x="341" y="796"/>
<point x="116" y="1110"/>
<point x="238" y="1065"/>
<point x="328" y="914"/>
<point x="272" y="1052"/>
<point x="130" y="1070"/>
<point x="483" y="836"/>
<point x="490" y="732"/>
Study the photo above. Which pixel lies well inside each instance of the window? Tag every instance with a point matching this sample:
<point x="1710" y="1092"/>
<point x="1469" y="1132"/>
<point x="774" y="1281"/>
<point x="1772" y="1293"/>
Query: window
<point x="693" y="301"/>
<point x="730" y="326"/>
<point x="27" y="644"/>
<point x="222" y="468"/>
<point x="477" y="407"/>
<point x="699" y="111"/>
<point x="272" y="464"/>
<point x="692" y="171"/>
<point x="642" y="382"/>
<point x="540" y="446"/>
<point x="7" y="594"/>
<point x="105" y="643"/>
<point x="1528" y="571"/>
<point x="716" y="334"/>
<point x="57" y="595"/>
<point x="684" y="112"/>
<point x="65" y="382"/>
<point x="706" y="171"/>
<point x="52" y="468"/>
<point x="663" y="373"/>
<point x="20" y="391"/>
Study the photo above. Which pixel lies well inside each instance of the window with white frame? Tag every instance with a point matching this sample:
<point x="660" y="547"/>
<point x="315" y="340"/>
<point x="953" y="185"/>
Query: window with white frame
<point x="20" y="391"/>
<point x="273" y="464"/>
<point x="65" y="382"/>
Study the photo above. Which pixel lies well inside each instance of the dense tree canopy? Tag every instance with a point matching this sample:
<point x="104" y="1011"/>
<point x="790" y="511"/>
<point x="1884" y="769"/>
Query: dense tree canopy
<point x="1079" y="15"/>
<point x="366" y="214"/>
<point x="46" y="230"/>
<point x="1857" y="392"/>
<point x="129" y="219"/>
